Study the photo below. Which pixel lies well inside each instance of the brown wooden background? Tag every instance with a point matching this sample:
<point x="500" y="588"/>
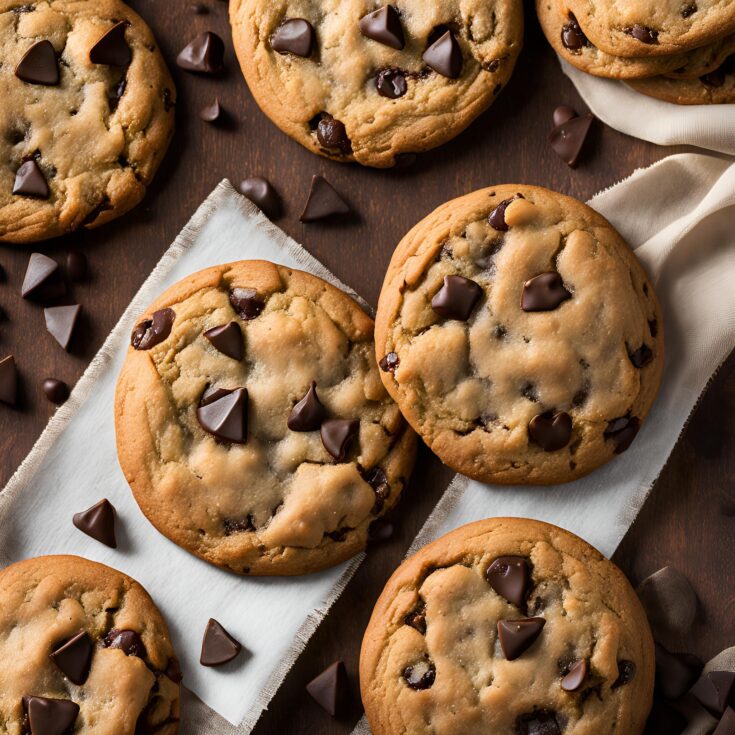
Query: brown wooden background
<point x="688" y="522"/>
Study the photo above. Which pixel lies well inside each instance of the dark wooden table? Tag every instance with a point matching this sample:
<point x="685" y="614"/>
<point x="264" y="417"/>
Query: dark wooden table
<point x="689" y="521"/>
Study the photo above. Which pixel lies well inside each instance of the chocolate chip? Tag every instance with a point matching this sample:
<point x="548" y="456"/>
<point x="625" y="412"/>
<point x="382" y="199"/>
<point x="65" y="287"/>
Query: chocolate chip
<point x="330" y="689"/>
<point x="688" y="10"/>
<point x="675" y="673"/>
<point x="444" y="56"/>
<point x="74" y="657"/>
<point x="551" y="431"/>
<point x="517" y="636"/>
<point x="112" y="49"/>
<point x="224" y="414"/>
<point x="420" y="675"/>
<point x="205" y="54"/>
<point x="228" y="340"/>
<point x="331" y="133"/>
<point x="337" y="434"/>
<point x="497" y="216"/>
<point x="622" y="431"/>
<point x="57" y="391"/>
<point x="380" y="531"/>
<point x="376" y="478"/>
<point x="60" y="322"/>
<point x="30" y="181"/>
<point x="42" y="280"/>
<point x="39" y="65"/>
<point x="576" y="676"/>
<point x="389" y="363"/>
<point x="642" y="356"/>
<point x="232" y="526"/>
<point x="50" y="716"/>
<point x="563" y="114"/>
<point x="391" y="83"/>
<point x="218" y="646"/>
<point x="572" y="36"/>
<point x="510" y="577"/>
<point x="384" y="26"/>
<point x="542" y="722"/>
<point x="726" y="725"/>
<point x="626" y="673"/>
<point x="670" y="602"/>
<point x="246" y="302"/>
<point x="76" y="266"/>
<point x="308" y="413"/>
<point x="324" y="202"/>
<point x="544" y="292"/>
<point x="417" y="619"/>
<point x="457" y="298"/>
<point x="152" y="332"/>
<point x="211" y="113"/>
<point x="294" y="36"/>
<point x="642" y="33"/>
<point x="568" y="138"/>
<point x="98" y="522"/>
<point x="128" y="641"/>
<point x="8" y="381"/>
<point x="715" y="691"/>
<point x="262" y="193"/>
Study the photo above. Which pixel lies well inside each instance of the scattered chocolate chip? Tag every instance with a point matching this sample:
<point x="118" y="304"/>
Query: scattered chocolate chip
<point x="675" y="673"/>
<point x="332" y="134"/>
<point x="517" y="636"/>
<point x="417" y="619"/>
<point x="563" y="114"/>
<point x="60" y="322"/>
<point x="542" y="722"/>
<point x="205" y="54"/>
<point x="380" y="530"/>
<point x="337" y="434"/>
<point x="262" y="193"/>
<point x="496" y="218"/>
<point x="389" y="363"/>
<point x="622" y="431"/>
<point x="218" y="646"/>
<point x="98" y="522"/>
<point x="551" y="431"/>
<point x="510" y="577"/>
<point x="294" y="36"/>
<point x="420" y="675"/>
<point x="224" y="414"/>
<point x="76" y="266"/>
<point x="544" y="292"/>
<point x="642" y="356"/>
<point x="576" y="676"/>
<point x="384" y="26"/>
<point x="152" y="332"/>
<point x="57" y="391"/>
<point x="568" y="138"/>
<point x="8" y="381"/>
<point x="669" y="601"/>
<point x="664" y="720"/>
<point x="128" y="641"/>
<point x="173" y="671"/>
<point x="324" y="202"/>
<point x="50" y="716"/>
<point x="444" y="56"/>
<point x="391" y="83"/>
<point x="626" y="673"/>
<point x="74" y="657"/>
<point x="228" y="340"/>
<point x="39" y="65"/>
<point x="715" y="691"/>
<point x="42" y="280"/>
<point x="30" y="181"/>
<point x="726" y="725"/>
<point x="211" y="113"/>
<point x="572" y="36"/>
<point x="642" y="33"/>
<point x="246" y="302"/>
<point x="457" y="298"/>
<point x="112" y="49"/>
<point x="330" y="689"/>
<point x="308" y="413"/>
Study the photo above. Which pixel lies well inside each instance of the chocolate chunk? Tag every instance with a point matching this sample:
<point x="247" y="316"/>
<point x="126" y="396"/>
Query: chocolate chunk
<point x="50" y="716"/>
<point x="576" y="676"/>
<point x="669" y="601"/>
<point x="675" y="673"/>
<point x="308" y="413"/>
<point x="688" y="10"/>
<point x="218" y="646"/>
<point x="8" y="381"/>
<point x="246" y="302"/>
<point x="42" y="280"/>
<point x="568" y="138"/>
<point x="331" y="133"/>
<point x="444" y="56"/>
<point x="324" y="202"/>
<point x="664" y="720"/>
<point x="572" y="36"/>
<point x="726" y="725"/>
<point x="496" y="218"/>
<point x="57" y="391"/>
<point x="30" y="181"/>
<point x="261" y="193"/>
<point x="510" y="577"/>
<point x="542" y="722"/>
<point x="517" y="636"/>
<point x="112" y="49"/>
<point x="563" y="114"/>
<point x="74" y="657"/>
<point x="715" y="691"/>
<point x="417" y="619"/>
<point x="622" y="431"/>
<point x="544" y="292"/>
<point x="384" y="26"/>
<point x="457" y="298"/>
<point x="391" y="83"/>
<point x="76" y="266"/>
<point x="337" y="434"/>
<point x="642" y="356"/>
<point x="294" y="36"/>
<point x="224" y="414"/>
<point x="152" y="332"/>
<point x="228" y="340"/>
<point x="389" y="363"/>
<point x="60" y="322"/>
<point x="626" y="673"/>
<point x="205" y="54"/>
<point x="420" y="675"/>
<point x="211" y="113"/>
<point x="98" y="522"/>
<point x="39" y="65"/>
<point x="330" y="689"/>
<point x="551" y="432"/>
<point x="642" y="33"/>
<point x="376" y="478"/>
<point x="128" y="641"/>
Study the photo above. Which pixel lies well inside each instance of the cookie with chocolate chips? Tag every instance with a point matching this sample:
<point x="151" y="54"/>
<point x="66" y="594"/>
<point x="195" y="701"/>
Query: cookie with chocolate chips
<point x="86" y="118"/>
<point x="252" y="424"/>
<point x="520" y="336"/>
<point x="84" y="649"/>
<point x="525" y="629"/>
<point x="364" y="81"/>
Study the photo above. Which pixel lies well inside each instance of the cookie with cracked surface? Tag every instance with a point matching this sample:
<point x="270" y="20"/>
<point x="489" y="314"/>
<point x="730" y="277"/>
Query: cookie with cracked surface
<point x="83" y="646"/>
<point x="520" y="336"/>
<point x="509" y="627"/>
<point x="87" y="115"/>
<point x="252" y="424"/>
<point x="363" y="81"/>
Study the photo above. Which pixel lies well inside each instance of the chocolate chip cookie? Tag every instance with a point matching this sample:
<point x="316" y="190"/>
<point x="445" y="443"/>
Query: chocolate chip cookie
<point x="520" y="336"/>
<point x="357" y="80"/>
<point x="85" y="650"/>
<point x="510" y="627"/>
<point x="86" y="118"/>
<point x="252" y="424"/>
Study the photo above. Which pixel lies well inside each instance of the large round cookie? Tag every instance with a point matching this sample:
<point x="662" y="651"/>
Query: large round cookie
<point x="355" y="80"/>
<point x="83" y="647"/>
<point x="507" y="627"/>
<point x="228" y="449"/>
<point x="86" y="117"/>
<point x="520" y="336"/>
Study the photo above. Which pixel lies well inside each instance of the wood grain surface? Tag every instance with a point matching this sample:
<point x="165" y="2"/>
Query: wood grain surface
<point x="688" y="522"/>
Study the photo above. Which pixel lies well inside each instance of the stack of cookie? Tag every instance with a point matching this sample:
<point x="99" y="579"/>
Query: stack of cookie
<point x="679" y="51"/>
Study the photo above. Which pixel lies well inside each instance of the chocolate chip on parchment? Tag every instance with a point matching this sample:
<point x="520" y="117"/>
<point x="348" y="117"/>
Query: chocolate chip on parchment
<point x="572" y="36"/>
<point x="218" y="646"/>
<point x="112" y="49"/>
<point x="551" y="431"/>
<point x="517" y="636"/>
<point x="57" y="391"/>
<point x="228" y="340"/>
<point x="715" y="691"/>
<point x="8" y="381"/>
<point x="211" y="113"/>
<point x="391" y="83"/>
<point x="420" y="675"/>
<point x="60" y="322"/>
<point x="74" y="657"/>
<point x="330" y="689"/>
<point x="263" y="194"/>
<point x="30" y="181"/>
<point x="224" y="414"/>
<point x="294" y="36"/>
<point x="324" y="202"/>
<point x="39" y="65"/>
<point x="457" y="298"/>
<point x="544" y="292"/>
<point x="575" y="677"/>
<point x="444" y="56"/>
<point x="337" y="434"/>
<point x="510" y="577"/>
<point x="128" y="641"/>
<point x="384" y="26"/>
<point x="246" y="302"/>
<point x="308" y="413"/>
<point x="50" y="716"/>
<point x="151" y="332"/>
<point x="98" y="522"/>
<point x="626" y="673"/>
<point x="205" y="54"/>
<point x="568" y="139"/>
